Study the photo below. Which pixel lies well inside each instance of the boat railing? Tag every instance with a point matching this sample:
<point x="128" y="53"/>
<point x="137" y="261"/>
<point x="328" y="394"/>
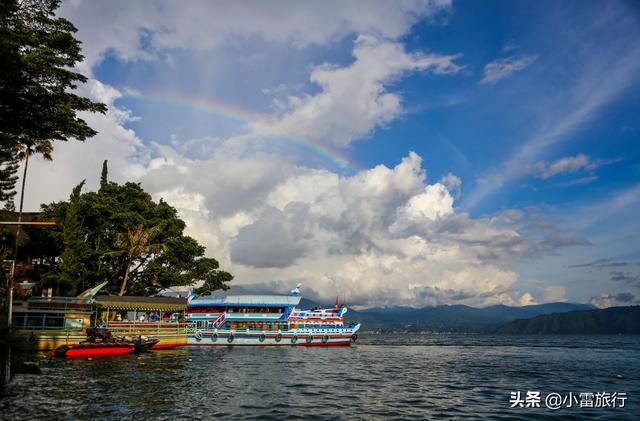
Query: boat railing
<point x="47" y="328"/>
<point x="149" y="328"/>
<point x="58" y="304"/>
<point x="219" y="321"/>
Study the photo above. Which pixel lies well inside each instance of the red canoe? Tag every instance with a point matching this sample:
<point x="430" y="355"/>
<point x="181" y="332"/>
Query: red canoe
<point x="89" y="349"/>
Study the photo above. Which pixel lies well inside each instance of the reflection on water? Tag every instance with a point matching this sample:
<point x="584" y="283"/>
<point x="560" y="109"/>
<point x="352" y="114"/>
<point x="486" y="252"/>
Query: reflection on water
<point x="399" y="376"/>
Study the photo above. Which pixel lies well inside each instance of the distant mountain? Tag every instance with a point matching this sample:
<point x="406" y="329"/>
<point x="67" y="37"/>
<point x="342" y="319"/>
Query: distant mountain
<point x="460" y="318"/>
<point x="613" y="320"/>
<point x="307" y="304"/>
<point x="453" y="317"/>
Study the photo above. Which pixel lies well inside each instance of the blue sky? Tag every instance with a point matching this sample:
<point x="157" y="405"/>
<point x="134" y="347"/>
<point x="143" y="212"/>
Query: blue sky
<point x="522" y="115"/>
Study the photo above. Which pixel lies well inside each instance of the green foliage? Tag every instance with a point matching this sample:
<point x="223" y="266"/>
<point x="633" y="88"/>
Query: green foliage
<point x="38" y="52"/>
<point x="9" y="163"/>
<point x="104" y="175"/>
<point x="613" y="320"/>
<point x="75" y="249"/>
<point x="121" y="235"/>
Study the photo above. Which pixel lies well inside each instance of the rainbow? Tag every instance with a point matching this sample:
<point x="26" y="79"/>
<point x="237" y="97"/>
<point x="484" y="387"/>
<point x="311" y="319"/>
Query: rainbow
<point x="236" y="113"/>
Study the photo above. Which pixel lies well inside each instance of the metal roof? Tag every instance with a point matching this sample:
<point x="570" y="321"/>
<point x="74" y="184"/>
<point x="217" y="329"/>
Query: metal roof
<point x="115" y="302"/>
<point x="248" y="300"/>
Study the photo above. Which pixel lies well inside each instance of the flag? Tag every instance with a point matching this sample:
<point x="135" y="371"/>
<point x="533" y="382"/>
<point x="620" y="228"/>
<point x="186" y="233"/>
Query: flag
<point x="192" y="294"/>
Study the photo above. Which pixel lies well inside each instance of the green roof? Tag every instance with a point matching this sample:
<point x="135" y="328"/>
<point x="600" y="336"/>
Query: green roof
<point x="115" y="302"/>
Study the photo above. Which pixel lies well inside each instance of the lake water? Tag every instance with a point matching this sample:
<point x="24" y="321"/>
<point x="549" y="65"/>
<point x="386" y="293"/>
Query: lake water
<point x="412" y="376"/>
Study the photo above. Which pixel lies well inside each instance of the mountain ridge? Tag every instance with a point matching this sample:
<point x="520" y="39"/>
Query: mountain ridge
<point x="448" y="317"/>
<point x="612" y="320"/>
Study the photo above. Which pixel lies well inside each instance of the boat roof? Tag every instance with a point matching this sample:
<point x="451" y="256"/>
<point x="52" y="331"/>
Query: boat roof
<point x="248" y="300"/>
<point x="115" y="302"/>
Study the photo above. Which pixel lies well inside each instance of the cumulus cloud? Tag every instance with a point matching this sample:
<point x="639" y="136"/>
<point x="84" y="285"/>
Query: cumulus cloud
<point x="503" y="68"/>
<point x="74" y="161"/>
<point x="613" y="300"/>
<point x="453" y="183"/>
<point x="382" y="236"/>
<point x="148" y="30"/>
<point x="527" y="299"/>
<point x="554" y="294"/>
<point x="353" y="100"/>
<point x="276" y="239"/>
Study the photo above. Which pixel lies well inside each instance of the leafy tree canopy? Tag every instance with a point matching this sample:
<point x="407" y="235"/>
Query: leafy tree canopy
<point x="121" y="235"/>
<point x="38" y="52"/>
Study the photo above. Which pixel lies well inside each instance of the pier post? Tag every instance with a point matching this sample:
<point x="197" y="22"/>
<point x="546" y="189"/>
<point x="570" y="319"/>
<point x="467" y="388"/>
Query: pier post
<point x="5" y="327"/>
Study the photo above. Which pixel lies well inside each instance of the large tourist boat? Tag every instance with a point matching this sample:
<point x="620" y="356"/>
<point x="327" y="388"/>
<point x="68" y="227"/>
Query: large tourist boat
<point x="267" y="320"/>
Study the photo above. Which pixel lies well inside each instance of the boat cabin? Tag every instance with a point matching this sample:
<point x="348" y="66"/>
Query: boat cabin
<point x="55" y="313"/>
<point x="253" y="312"/>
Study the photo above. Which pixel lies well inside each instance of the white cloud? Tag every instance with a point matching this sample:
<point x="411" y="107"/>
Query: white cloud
<point x="353" y="100"/>
<point x="527" y="299"/>
<point x="614" y="300"/>
<point x="570" y="164"/>
<point x="380" y="236"/>
<point x="453" y="183"/>
<point x="73" y="160"/>
<point x="510" y="46"/>
<point x="146" y="30"/>
<point x="602" y="78"/>
<point x="578" y="181"/>
<point x="502" y="68"/>
<point x="554" y="294"/>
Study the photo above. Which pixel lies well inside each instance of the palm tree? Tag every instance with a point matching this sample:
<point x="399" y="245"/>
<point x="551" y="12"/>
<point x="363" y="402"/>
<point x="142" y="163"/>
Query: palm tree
<point x="44" y="148"/>
<point x="133" y="244"/>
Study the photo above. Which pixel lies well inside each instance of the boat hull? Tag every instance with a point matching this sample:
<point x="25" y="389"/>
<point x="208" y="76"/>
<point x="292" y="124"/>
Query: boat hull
<point x="80" y="353"/>
<point x="83" y="350"/>
<point x="270" y="339"/>
<point x="47" y="340"/>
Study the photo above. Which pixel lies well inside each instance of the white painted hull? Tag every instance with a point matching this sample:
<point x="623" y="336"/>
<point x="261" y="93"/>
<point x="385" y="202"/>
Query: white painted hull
<point x="300" y="338"/>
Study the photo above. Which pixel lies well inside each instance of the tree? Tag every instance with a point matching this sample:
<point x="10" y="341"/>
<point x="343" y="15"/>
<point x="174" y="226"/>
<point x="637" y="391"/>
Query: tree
<point x="45" y="149"/>
<point x="75" y="250"/>
<point x="9" y="163"/>
<point x="38" y="52"/>
<point x="104" y="176"/>
<point x="213" y="279"/>
<point x="133" y="242"/>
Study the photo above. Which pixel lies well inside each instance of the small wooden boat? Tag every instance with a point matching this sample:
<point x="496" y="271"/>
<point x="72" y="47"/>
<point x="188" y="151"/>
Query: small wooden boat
<point x="98" y="349"/>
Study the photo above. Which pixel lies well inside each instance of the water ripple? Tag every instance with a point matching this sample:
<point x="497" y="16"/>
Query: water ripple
<point x="431" y="377"/>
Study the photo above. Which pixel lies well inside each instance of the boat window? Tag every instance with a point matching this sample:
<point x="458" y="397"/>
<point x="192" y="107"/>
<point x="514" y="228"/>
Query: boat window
<point x="73" y="324"/>
<point x="34" y="320"/>
<point x="53" y="321"/>
<point x="17" y="320"/>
